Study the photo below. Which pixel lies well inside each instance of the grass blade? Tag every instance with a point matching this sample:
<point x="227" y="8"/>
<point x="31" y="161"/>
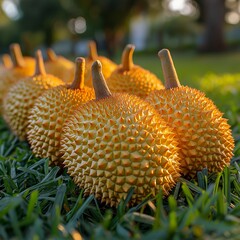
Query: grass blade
<point x="226" y="184"/>
<point x="72" y="221"/>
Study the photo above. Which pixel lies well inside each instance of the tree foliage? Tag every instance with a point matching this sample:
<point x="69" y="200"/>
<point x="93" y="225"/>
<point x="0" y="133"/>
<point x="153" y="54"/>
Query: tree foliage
<point x="41" y="16"/>
<point x="36" y="15"/>
<point x="110" y="17"/>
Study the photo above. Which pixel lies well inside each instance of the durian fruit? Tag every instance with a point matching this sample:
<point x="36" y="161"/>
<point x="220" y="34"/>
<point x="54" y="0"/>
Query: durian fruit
<point x="6" y="64"/>
<point x="205" y="136"/>
<point x="22" y="95"/>
<point x="116" y="142"/>
<point x="22" y="67"/>
<point x="50" y="112"/>
<point x="108" y="66"/>
<point x="59" y="66"/>
<point x="131" y="78"/>
<point x="26" y="62"/>
<point x="7" y="61"/>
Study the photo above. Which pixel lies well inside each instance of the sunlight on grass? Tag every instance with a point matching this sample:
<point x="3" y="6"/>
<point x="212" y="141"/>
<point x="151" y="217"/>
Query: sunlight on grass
<point x="223" y="89"/>
<point x="42" y="202"/>
<point x="192" y="66"/>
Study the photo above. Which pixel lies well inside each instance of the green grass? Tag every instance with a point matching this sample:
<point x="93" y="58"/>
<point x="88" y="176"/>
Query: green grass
<point x="191" y="66"/>
<point x="42" y="202"/>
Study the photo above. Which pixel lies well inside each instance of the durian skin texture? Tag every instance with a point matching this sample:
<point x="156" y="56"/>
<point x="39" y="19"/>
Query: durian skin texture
<point x="118" y="142"/>
<point x="205" y="136"/>
<point x="137" y="81"/>
<point x="47" y="117"/>
<point x="61" y="68"/>
<point x="20" y="99"/>
<point x="10" y="77"/>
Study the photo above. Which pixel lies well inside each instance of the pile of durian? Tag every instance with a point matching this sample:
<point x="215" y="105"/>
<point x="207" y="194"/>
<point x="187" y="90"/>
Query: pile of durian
<point x="113" y="127"/>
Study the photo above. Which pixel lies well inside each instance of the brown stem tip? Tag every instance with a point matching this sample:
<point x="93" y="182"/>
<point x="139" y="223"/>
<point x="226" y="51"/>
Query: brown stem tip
<point x="169" y="71"/>
<point x="127" y="57"/>
<point x="16" y="54"/>
<point x="40" y="68"/>
<point x="78" y="82"/>
<point x="51" y="55"/>
<point x="93" y="54"/>
<point x="99" y="84"/>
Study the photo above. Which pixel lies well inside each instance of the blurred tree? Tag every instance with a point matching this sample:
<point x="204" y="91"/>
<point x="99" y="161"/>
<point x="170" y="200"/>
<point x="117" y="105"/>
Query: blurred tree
<point x="9" y="32"/>
<point x="212" y="14"/>
<point x="3" y="17"/>
<point x="41" y="16"/>
<point x="111" y="16"/>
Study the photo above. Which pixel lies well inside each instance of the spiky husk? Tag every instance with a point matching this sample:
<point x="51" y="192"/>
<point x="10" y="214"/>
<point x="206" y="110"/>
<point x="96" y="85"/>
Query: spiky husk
<point x="47" y="117"/>
<point x="137" y="81"/>
<point x="61" y="68"/>
<point x="116" y="143"/>
<point x="11" y="76"/>
<point x="205" y="136"/>
<point x="108" y="67"/>
<point x="20" y="99"/>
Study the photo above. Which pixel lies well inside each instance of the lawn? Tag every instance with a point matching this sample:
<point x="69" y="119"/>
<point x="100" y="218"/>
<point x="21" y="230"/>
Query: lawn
<point x="191" y="66"/>
<point x="42" y="202"/>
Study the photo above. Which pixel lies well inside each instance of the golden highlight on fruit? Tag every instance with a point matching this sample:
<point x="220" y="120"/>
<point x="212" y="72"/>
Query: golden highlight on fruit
<point x="132" y="79"/>
<point x="21" y="97"/>
<point x="59" y="66"/>
<point x="50" y="112"/>
<point x="24" y="63"/>
<point x="108" y="66"/>
<point x="22" y="67"/>
<point x="205" y="136"/>
<point x="116" y="142"/>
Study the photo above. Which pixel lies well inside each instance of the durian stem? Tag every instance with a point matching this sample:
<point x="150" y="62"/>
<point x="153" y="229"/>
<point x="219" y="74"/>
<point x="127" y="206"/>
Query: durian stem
<point x="40" y="68"/>
<point x="93" y="54"/>
<point x="169" y="71"/>
<point x="99" y="84"/>
<point x="17" y="57"/>
<point x="7" y="61"/>
<point x="78" y="82"/>
<point x="51" y="55"/>
<point x="127" y="57"/>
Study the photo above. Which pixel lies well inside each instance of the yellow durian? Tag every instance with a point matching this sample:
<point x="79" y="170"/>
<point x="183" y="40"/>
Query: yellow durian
<point x="131" y="78"/>
<point x="116" y="142"/>
<point x="21" y="97"/>
<point x="59" y="66"/>
<point x="5" y="65"/>
<point x="108" y="66"/>
<point x="22" y="67"/>
<point x="50" y="112"/>
<point x="25" y="63"/>
<point x="7" y="61"/>
<point x="205" y="136"/>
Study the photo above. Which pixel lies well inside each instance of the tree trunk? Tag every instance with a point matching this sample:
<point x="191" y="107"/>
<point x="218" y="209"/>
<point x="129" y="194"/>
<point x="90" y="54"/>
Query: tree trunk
<point x="213" y="16"/>
<point x="49" y="35"/>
